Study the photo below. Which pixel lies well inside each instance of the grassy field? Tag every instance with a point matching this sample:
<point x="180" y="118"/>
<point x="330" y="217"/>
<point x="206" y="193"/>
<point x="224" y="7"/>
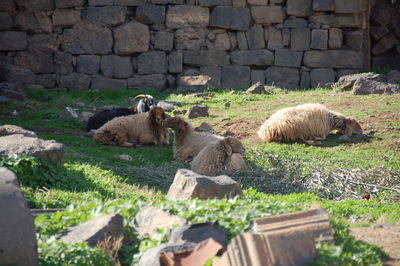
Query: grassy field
<point x="334" y="175"/>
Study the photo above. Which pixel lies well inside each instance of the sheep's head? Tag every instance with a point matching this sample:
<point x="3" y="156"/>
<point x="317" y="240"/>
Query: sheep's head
<point x="232" y="145"/>
<point x="157" y="114"/>
<point x="176" y="123"/>
<point x="351" y="126"/>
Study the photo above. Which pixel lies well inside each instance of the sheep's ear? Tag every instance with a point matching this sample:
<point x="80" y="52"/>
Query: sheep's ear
<point x="227" y="147"/>
<point x="182" y="125"/>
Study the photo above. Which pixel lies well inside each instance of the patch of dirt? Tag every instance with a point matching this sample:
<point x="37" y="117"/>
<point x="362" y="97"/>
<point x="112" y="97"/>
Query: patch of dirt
<point x="385" y="236"/>
<point x="244" y="128"/>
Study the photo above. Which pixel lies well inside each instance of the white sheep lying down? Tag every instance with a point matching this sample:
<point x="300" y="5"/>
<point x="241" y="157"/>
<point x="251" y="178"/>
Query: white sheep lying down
<point x="188" y="143"/>
<point x="309" y="123"/>
<point x="221" y="157"/>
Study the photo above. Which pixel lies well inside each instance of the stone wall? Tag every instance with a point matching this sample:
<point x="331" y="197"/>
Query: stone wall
<point x="95" y="44"/>
<point x="385" y="34"/>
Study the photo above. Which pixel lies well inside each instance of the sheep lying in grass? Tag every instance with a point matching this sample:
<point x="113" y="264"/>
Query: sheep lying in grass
<point x="100" y="118"/>
<point x="309" y="123"/>
<point x="132" y="130"/>
<point x="188" y="143"/>
<point x="215" y="158"/>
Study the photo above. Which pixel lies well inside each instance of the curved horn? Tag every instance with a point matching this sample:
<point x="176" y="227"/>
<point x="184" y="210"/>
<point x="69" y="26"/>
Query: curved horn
<point x="140" y="96"/>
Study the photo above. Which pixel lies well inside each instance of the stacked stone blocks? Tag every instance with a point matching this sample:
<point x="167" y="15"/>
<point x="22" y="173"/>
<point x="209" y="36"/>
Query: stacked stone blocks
<point x="96" y="44"/>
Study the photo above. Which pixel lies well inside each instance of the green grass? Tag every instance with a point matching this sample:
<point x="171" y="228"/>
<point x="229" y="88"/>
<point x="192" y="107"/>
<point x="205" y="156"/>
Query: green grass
<point x="281" y="178"/>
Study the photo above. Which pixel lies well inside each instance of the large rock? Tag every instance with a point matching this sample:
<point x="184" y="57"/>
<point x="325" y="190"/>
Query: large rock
<point x="319" y="39"/>
<point x="6" y="21"/>
<point x="288" y="58"/>
<point x="154" y="62"/>
<point x="37" y="60"/>
<point x="7" y="5"/>
<point x="214" y="72"/>
<point x="282" y="77"/>
<point x="230" y="18"/>
<point x="364" y="86"/>
<point x="95" y="230"/>
<point x="12" y="73"/>
<point x="344" y="6"/>
<point x="26" y="21"/>
<point x="13" y="91"/>
<point x="255" y="37"/>
<point x="346" y="82"/>
<point x="354" y="39"/>
<point x="196" y="111"/>
<point x="335" y="38"/>
<point x="150" y="218"/>
<point x="164" y="41"/>
<point x="205" y="58"/>
<point x="18" y="144"/>
<point x="193" y="83"/>
<point x="175" y="60"/>
<point x="12" y="41"/>
<point x="130" y="38"/>
<point x="188" y="185"/>
<point x="322" y="77"/>
<point x="267" y="14"/>
<point x="299" y="8"/>
<point x="87" y="39"/>
<point x="235" y="77"/>
<point x="394" y="77"/>
<point x="36" y="4"/>
<point x="75" y="81"/>
<point x="300" y="39"/>
<point x="63" y="63"/>
<point x="190" y="38"/>
<point x="114" y="66"/>
<point x="275" y="40"/>
<point x="69" y="3"/>
<point x="294" y="23"/>
<point x="66" y="17"/>
<point x="333" y="59"/>
<point x="385" y="44"/>
<point x="253" y="58"/>
<point x="181" y="16"/>
<point x="106" y="15"/>
<point x="338" y="20"/>
<point x="156" y="81"/>
<point x="151" y="14"/>
<point x="18" y="243"/>
<point x="88" y="64"/>
<point x="11" y="130"/>
<point x="46" y="80"/>
<point x="45" y="42"/>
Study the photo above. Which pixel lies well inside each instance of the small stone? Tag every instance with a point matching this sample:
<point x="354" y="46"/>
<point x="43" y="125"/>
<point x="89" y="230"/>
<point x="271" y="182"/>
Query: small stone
<point x="344" y="138"/>
<point x="204" y="127"/>
<point x="225" y="119"/>
<point x="227" y="104"/>
<point x="68" y="112"/>
<point x="197" y="111"/>
<point x="256" y="88"/>
<point x="123" y="157"/>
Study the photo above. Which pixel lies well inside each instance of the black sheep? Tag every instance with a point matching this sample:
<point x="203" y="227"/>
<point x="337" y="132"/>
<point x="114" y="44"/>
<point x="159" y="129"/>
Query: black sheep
<point x="99" y="119"/>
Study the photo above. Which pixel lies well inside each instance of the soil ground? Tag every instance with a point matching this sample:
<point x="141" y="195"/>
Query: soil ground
<point x="385" y="236"/>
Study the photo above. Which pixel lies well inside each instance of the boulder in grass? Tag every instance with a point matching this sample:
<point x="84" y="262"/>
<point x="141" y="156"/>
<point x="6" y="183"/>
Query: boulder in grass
<point x="95" y="230"/>
<point x="18" y="245"/>
<point x="188" y="185"/>
<point x="197" y="111"/>
<point x="256" y="88"/>
<point x="18" y="144"/>
<point x="365" y="86"/>
<point x="346" y="82"/>
<point x="11" y="130"/>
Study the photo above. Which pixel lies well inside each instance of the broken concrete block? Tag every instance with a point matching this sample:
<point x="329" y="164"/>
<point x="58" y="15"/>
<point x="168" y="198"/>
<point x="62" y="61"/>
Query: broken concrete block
<point x="188" y="185"/>
<point x="196" y="256"/>
<point x="150" y="218"/>
<point x="314" y="223"/>
<point x="95" y="230"/>
<point x="18" y="244"/>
